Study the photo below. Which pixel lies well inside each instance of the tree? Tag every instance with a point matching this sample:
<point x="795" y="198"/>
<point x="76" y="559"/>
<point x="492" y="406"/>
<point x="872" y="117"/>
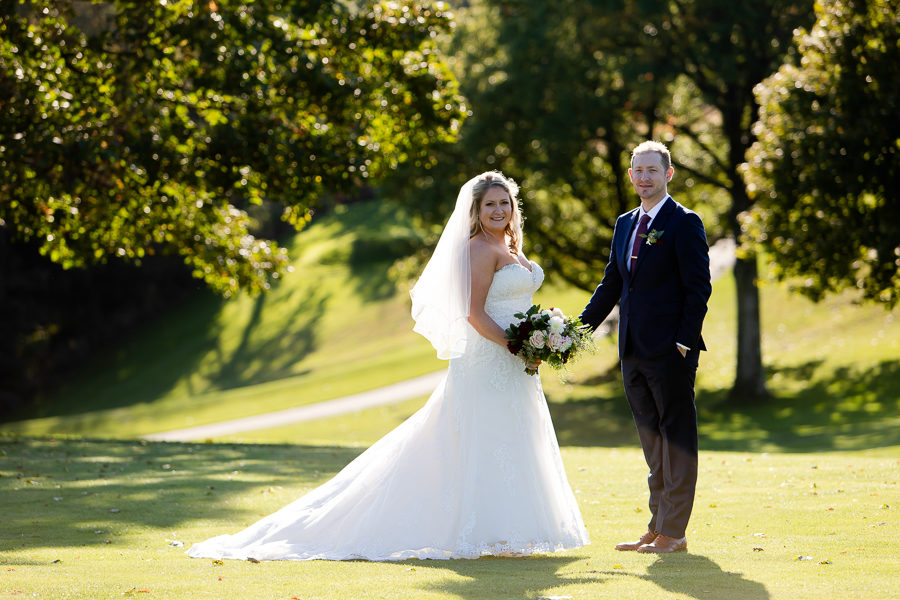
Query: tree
<point x="131" y="127"/>
<point x="559" y="92"/>
<point x="724" y="50"/>
<point x="824" y="170"/>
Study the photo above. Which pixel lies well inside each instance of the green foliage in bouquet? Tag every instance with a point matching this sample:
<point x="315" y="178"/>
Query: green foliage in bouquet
<point x="548" y="336"/>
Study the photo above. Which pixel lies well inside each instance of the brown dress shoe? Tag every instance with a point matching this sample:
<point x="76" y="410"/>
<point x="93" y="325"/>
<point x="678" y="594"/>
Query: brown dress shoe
<point x="664" y="544"/>
<point x="631" y="546"/>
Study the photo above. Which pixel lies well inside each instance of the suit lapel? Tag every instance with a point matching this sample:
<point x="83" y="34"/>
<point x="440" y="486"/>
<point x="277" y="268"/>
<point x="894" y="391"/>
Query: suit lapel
<point x="659" y="224"/>
<point x="622" y="249"/>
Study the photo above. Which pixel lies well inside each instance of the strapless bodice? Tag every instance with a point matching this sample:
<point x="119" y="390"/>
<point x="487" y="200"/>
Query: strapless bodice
<point x="511" y="291"/>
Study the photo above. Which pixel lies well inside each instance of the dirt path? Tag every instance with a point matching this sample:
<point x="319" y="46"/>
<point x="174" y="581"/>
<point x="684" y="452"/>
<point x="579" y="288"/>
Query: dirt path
<point x="398" y="392"/>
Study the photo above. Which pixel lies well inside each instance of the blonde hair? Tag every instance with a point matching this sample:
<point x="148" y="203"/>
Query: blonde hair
<point x="482" y="184"/>
<point x="650" y="146"/>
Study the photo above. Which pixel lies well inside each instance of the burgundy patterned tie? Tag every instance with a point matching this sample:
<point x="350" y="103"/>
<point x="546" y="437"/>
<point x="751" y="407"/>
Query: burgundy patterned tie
<point x="638" y="241"/>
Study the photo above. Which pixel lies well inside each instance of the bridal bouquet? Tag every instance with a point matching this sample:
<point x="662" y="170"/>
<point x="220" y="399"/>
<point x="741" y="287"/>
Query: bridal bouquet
<point x="547" y="335"/>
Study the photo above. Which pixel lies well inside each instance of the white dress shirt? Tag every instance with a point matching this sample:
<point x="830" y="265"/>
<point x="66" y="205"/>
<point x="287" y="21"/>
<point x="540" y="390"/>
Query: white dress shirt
<point x="641" y="212"/>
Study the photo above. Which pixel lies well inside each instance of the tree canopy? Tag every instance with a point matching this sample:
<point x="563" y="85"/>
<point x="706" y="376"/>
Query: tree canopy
<point x="824" y="170"/>
<point x="130" y="127"/>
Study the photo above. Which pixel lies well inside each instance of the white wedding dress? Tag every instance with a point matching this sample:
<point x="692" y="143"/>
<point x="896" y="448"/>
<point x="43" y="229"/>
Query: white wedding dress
<point x="477" y="471"/>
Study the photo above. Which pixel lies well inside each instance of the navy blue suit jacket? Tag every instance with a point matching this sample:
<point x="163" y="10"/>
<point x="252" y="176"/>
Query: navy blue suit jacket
<point x="663" y="302"/>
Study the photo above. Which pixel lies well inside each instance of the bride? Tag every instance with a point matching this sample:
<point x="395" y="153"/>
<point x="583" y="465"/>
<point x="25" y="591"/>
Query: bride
<point x="477" y="471"/>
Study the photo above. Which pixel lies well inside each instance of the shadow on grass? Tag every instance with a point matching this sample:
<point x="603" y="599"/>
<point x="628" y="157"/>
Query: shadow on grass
<point x="698" y="577"/>
<point x="142" y="367"/>
<point x="500" y="578"/>
<point x="844" y="409"/>
<point x="67" y="493"/>
<point x="258" y="360"/>
<point x="380" y="234"/>
<point x="169" y="350"/>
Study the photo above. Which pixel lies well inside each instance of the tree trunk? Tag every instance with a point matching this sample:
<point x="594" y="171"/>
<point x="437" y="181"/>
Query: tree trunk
<point x="750" y="378"/>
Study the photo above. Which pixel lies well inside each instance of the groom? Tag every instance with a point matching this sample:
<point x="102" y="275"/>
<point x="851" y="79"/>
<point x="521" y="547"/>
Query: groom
<point x="658" y="272"/>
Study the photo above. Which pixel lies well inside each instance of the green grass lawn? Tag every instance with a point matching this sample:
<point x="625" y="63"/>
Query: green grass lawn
<point x="88" y="512"/>
<point x="106" y="518"/>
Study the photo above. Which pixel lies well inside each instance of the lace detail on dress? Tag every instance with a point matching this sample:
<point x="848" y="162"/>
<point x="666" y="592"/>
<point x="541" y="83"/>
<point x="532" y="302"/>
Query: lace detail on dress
<point x="511" y="292"/>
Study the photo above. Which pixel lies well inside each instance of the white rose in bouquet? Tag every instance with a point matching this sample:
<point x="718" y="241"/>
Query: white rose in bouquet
<point x="537" y="339"/>
<point x="555" y="341"/>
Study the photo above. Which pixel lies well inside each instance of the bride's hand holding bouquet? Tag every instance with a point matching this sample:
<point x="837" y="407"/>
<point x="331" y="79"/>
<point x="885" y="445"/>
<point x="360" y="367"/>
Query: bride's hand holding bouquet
<point x="547" y="336"/>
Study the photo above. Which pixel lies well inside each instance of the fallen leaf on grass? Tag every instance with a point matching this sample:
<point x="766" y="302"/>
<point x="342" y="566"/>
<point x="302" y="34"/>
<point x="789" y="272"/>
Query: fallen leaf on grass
<point x="801" y="557"/>
<point x="825" y="562"/>
<point x="218" y="563"/>
<point x="58" y="560"/>
<point x="758" y="550"/>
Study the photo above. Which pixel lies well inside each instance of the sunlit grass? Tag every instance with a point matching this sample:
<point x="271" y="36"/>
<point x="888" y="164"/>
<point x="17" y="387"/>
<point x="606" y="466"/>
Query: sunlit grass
<point x="98" y="519"/>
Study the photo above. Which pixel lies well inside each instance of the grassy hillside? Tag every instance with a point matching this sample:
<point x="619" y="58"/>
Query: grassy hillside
<point x="332" y="327"/>
<point x="336" y="326"/>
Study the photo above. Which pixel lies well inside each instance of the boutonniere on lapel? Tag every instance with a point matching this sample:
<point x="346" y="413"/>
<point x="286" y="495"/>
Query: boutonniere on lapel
<point x="653" y="237"/>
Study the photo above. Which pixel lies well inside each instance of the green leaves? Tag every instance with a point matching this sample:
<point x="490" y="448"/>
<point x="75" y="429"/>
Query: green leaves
<point x="825" y="164"/>
<point x="135" y="127"/>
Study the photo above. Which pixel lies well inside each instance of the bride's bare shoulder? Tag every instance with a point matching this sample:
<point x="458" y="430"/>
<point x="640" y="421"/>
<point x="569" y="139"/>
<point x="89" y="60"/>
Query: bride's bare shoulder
<point x="482" y="254"/>
<point x="481" y="247"/>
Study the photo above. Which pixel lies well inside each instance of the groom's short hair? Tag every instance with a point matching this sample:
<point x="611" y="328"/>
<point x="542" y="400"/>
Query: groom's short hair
<point x="651" y="146"/>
